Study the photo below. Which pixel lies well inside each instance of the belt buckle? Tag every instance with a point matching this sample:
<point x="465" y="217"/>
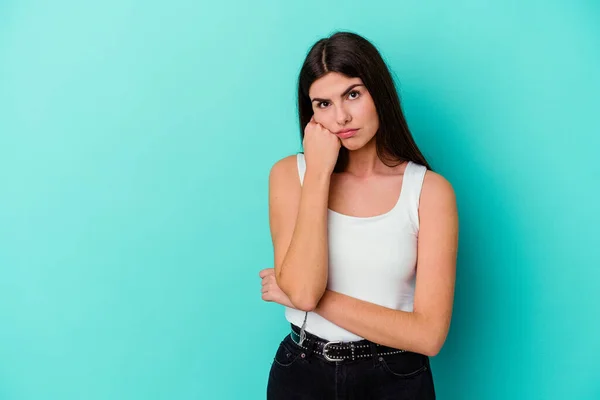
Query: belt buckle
<point x="325" y="351"/>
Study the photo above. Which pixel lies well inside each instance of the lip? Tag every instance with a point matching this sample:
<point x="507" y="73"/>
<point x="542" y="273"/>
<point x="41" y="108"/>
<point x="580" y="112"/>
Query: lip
<point x="346" y="133"/>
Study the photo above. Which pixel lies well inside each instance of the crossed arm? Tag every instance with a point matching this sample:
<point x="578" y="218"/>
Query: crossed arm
<point x="424" y="330"/>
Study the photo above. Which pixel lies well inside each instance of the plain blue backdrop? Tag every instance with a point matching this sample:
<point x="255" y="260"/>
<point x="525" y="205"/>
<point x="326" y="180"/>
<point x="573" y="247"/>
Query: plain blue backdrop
<point x="136" y="139"/>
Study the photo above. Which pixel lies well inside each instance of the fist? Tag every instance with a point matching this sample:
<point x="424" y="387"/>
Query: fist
<point x="271" y="291"/>
<point x="321" y="147"/>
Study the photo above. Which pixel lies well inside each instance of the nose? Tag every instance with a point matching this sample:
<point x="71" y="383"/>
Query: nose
<point x="342" y="116"/>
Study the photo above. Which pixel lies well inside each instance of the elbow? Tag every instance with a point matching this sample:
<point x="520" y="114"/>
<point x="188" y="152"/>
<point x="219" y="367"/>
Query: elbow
<point x="434" y="346"/>
<point x="435" y="331"/>
<point x="305" y="303"/>
<point x="303" y="298"/>
<point x="431" y="350"/>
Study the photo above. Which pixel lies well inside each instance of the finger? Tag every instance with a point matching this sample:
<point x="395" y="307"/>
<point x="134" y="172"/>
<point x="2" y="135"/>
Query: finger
<point x="269" y="271"/>
<point x="268" y="279"/>
<point x="266" y="288"/>
<point x="264" y="272"/>
<point x="324" y="129"/>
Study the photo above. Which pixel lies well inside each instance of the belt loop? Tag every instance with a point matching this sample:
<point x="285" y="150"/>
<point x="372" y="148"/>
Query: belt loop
<point x="374" y="352"/>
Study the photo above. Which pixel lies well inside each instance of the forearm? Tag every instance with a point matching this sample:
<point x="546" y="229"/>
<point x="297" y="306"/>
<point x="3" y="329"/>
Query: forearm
<point x="304" y="270"/>
<point x="399" y="329"/>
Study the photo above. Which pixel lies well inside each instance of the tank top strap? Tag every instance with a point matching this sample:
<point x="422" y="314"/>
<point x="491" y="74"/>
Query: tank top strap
<point x="301" y="166"/>
<point x="413" y="182"/>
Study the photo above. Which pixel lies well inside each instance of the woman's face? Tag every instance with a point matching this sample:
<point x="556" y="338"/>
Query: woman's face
<point x="340" y="103"/>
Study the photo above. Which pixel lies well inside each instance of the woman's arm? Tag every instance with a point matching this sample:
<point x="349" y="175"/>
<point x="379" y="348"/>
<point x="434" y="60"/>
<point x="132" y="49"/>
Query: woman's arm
<point x="298" y="223"/>
<point x="423" y="330"/>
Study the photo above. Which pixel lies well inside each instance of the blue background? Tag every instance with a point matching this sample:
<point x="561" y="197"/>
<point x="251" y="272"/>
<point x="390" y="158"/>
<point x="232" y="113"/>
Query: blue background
<point x="136" y="139"/>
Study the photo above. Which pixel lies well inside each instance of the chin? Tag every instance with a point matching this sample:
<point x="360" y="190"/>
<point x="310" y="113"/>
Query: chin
<point x="354" y="143"/>
<point x="353" y="146"/>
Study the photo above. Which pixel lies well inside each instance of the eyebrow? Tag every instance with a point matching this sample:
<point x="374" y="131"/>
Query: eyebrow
<point x="343" y="94"/>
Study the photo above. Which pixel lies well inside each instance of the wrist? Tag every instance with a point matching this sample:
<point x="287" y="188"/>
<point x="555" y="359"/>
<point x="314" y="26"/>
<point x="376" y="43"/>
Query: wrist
<point x="321" y="177"/>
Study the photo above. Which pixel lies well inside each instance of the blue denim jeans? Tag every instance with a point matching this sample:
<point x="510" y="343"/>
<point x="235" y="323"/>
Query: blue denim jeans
<point x="297" y="373"/>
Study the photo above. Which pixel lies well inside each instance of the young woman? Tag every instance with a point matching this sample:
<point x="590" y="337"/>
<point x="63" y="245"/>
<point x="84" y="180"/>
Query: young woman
<point x="365" y="238"/>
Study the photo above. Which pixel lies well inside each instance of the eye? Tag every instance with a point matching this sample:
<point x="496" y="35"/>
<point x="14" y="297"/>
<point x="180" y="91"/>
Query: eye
<point x="356" y="94"/>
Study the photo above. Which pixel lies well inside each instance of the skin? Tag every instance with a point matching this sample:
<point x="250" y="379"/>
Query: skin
<point x="367" y="188"/>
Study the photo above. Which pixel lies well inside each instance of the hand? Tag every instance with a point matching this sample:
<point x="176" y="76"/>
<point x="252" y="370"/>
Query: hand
<point x="271" y="291"/>
<point x="321" y="147"/>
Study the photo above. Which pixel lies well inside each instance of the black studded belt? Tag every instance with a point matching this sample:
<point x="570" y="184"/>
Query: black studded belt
<point x="341" y="351"/>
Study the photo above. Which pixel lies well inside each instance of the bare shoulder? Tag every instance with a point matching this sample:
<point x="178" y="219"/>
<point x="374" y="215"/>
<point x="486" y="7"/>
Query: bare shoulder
<point x="284" y="186"/>
<point x="437" y="192"/>
<point x="436" y="184"/>
<point x="284" y="179"/>
<point x="285" y="168"/>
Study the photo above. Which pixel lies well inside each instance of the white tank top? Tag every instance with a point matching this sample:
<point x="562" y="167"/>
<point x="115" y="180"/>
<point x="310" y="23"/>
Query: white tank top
<point x="370" y="258"/>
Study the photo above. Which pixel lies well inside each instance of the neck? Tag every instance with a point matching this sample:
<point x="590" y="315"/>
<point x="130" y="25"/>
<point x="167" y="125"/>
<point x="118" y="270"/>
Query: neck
<point x="364" y="162"/>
